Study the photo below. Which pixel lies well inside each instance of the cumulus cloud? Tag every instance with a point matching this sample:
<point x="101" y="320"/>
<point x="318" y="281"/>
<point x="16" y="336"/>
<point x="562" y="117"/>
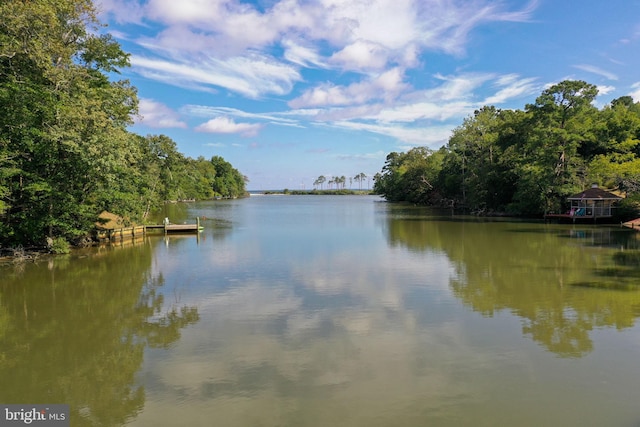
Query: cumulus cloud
<point x="361" y="55"/>
<point x="229" y="126"/>
<point x="369" y="46"/>
<point x="257" y="51"/>
<point x="157" y="115"/>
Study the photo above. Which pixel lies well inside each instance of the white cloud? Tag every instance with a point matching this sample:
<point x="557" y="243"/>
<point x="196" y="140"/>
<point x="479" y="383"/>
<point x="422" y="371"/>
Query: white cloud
<point x="597" y="70"/>
<point x="302" y="55"/>
<point x="253" y="75"/>
<point x="455" y="87"/>
<point x="604" y="90"/>
<point x="408" y="117"/>
<point x="235" y="45"/>
<point x="433" y="136"/>
<point x="409" y="113"/>
<point x="361" y="55"/>
<point x="157" y="115"/>
<point x="207" y="111"/>
<point x="186" y="11"/>
<point x="512" y="87"/>
<point x="231" y="26"/>
<point x="635" y="94"/>
<point x="227" y="125"/>
<point x="389" y="23"/>
<point x="386" y="85"/>
<point x="122" y="11"/>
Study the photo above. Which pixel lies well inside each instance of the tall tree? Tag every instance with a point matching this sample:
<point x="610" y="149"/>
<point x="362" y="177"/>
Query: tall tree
<point x="63" y="136"/>
<point x="65" y="152"/>
<point x="616" y="155"/>
<point x="524" y="162"/>
<point x="359" y="178"/>
<point x="228" y="183"/>
<point x="411" y="176"/>
<point x="474" y="147"/>
<point x="561" y="117"/>
<point x="320" y="181"/>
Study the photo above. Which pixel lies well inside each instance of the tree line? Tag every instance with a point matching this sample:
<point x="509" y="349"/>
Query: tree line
<point x="339" y="181"/>
<point x="525" y="162"/>
<point x="65" y="151"/>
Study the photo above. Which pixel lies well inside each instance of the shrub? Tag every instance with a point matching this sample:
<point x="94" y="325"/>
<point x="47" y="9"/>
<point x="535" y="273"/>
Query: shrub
<point x="59" y="246"/>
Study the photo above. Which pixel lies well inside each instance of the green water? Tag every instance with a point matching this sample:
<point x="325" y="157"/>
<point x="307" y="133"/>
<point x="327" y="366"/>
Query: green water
<point x="332" y="311"/>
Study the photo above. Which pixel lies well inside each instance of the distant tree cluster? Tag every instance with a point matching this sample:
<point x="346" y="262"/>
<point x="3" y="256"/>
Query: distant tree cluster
<point x="339" y="181"/>
<point x="524" y="162"/>
<point x="65" y="152"/>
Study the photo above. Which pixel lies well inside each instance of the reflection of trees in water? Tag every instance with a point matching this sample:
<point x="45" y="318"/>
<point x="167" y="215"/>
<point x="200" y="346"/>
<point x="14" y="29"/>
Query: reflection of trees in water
<point x="561" y="289"/>
<point x="75" y="333"/>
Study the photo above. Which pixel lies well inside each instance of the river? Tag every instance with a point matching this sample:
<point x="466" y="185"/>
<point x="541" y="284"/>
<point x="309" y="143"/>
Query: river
<point x="331" y="311"/>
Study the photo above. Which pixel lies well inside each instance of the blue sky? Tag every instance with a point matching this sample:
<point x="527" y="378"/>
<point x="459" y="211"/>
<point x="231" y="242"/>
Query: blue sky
<point x="288" y="90"/>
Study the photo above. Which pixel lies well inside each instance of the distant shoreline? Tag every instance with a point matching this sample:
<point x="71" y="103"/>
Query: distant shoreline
<point x="287" y="192"/>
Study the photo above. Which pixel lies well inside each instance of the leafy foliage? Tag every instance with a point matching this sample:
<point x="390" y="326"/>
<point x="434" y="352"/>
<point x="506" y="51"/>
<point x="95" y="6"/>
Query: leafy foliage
<point x="524" y="162"/>
<point x="228" y="182"/>
<point x="65" y="152"/>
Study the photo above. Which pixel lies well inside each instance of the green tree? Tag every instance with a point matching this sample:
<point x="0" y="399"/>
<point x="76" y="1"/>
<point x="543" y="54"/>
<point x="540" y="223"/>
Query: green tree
<point x="228" y="182"/>
<point x="616" y="156"/>
<point x="524" y="162"/>
<point x="411" y="176"/>
<point x="320" y="181"/>
<point x="474" y="151"/>
<point x="363" y="177"/>
<point x="63" y="139"/>
<point x="562" y="117"/>
<point x="65" y="152"/>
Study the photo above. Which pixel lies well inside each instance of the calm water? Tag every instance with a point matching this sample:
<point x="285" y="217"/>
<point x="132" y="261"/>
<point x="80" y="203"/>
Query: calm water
<point x="332" y="311"/>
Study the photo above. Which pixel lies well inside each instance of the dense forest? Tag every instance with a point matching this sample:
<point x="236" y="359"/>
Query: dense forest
<point x="65" y="151"/>
<point x="525" y="162"/>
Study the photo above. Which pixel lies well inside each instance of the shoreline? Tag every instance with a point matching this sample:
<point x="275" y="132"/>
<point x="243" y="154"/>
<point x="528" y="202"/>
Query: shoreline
<point x="287" y="192"/>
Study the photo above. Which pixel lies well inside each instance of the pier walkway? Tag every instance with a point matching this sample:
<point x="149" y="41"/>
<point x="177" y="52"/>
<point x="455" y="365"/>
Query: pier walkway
<point x="121" y="233"/>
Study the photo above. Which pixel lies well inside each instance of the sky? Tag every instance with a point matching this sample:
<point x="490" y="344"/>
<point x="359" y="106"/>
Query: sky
<point x="289" y="90"/>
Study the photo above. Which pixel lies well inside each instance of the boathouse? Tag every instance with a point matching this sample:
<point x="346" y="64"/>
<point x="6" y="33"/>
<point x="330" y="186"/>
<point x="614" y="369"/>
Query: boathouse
<point x="592" y="203"/>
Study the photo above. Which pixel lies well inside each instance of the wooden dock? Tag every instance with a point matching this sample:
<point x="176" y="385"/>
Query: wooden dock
<point x="134" y="232"/>
<point x="176" y="228"/>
